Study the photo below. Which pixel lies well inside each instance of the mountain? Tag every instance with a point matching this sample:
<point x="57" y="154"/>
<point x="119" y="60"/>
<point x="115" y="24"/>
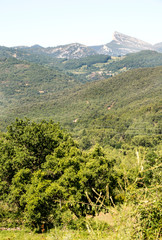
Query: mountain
<point x="69" y="51"/>
<point x="74" y="50"/>
<point x="122" y="45"/>
<point x="158" y="47"/>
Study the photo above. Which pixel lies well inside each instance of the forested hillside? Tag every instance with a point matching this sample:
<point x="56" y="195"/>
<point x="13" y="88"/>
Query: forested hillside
<point x="23" y="83"/>
<point x="141" y="59"/>
<point x="128" y="104"/>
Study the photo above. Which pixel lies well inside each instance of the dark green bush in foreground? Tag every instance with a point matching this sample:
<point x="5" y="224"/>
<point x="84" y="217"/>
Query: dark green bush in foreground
<point x="44" y="174"/>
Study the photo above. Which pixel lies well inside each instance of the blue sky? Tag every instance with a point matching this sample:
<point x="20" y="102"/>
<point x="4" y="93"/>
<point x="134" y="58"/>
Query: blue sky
<point x="90" y="22"/>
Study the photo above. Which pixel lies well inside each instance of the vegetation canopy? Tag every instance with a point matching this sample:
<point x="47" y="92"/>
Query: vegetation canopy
<point x="46" y="180"/>
<point x="44" y="174"/>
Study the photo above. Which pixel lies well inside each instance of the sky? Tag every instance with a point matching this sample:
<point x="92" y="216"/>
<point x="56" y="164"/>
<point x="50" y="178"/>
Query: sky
<point x="90" y="22"/>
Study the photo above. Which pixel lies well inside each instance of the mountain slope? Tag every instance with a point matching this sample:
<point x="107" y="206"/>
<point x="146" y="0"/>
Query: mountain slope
<point x="125" y="105"/>
<point x="23" y="83"/>
<point x="142" y="59"/>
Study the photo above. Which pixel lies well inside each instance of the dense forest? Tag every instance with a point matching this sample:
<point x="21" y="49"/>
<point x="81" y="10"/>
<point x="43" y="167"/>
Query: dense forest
<point x="104" y="155"/>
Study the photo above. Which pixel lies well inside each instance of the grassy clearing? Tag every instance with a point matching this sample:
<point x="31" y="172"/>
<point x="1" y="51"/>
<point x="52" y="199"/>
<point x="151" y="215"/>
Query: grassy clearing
<point x="119" y="224"/>
<point x="53" y="234"/>
<point x="100" y="228"/>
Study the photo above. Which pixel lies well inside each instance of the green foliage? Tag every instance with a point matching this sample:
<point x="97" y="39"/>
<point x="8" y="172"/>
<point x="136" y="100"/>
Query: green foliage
<point x="98" y="176"/>
<point x="46" y="181"/>
<point x="88" y="61"/>
<point x="141" y="59"/>
<point x="44" y="174"/>
<point x="112" y="110"/>
<point x="23" y="151"/>
<point x="30" y="84"/>
<point x="118" y="108"/>
<point x="151" y="217"/>
<point x="86" y="143"/>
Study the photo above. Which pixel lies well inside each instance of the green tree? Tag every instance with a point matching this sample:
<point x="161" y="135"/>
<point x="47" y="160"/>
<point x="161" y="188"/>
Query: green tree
<point x="44" y="174"/>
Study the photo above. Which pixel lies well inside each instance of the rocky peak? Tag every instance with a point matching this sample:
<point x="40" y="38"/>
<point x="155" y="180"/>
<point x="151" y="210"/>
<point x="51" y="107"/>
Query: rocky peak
<point x="121" y="38"/>
<point x="73" y="50"/>
<point x="123" y="44"/>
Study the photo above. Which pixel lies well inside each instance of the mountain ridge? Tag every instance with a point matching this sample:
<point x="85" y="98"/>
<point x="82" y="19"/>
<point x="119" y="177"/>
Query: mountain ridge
<point x="121" y="44"/>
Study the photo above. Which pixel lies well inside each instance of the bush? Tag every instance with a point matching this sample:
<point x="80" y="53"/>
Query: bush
<point x="45" y="175"/>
